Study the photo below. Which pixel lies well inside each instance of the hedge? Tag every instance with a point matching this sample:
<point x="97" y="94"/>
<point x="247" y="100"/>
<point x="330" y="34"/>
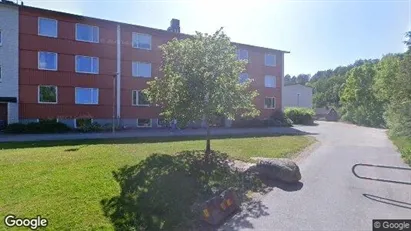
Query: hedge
<point x="300" y="115"/>
<point x="37" y="128"/>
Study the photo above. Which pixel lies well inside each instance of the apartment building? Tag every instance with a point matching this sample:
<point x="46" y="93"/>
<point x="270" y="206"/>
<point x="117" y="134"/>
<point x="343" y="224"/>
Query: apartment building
<point x="78" y="69"/>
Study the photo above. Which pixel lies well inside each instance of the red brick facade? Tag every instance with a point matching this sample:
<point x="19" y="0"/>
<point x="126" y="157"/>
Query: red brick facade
<point x="66" y="78"/>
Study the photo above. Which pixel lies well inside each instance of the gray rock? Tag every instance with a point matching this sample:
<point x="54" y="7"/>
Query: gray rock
<point x="278" y="169"/>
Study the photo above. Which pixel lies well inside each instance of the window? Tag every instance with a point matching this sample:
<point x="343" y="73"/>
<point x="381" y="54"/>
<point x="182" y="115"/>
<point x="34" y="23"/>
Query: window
<point x="87" y="33"/>
<point x="1" y="38"/>
<point x="1" y="74"/>
<point x="269" y="103"/>
<point x="243" y="77"/>
<point x="270" y="81"/>
<point x="47" y="27"/>
<point x="270" y="60"/>
<point x="142" y="41"/>
<point x="47" y="61"/>
<point x="144" y="123"/>
<point x="86" y="64"/>
<point x="242" y="54"/>
<point x="139" y="99"/>
<point x="82" y="122"/>
<point x="141" y="69"/>
<point x="47" y="94"/>
<point x="86" y="95"/>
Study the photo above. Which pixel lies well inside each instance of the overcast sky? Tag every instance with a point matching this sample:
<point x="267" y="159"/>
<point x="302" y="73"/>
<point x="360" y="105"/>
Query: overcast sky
<point x="320" y="34"/>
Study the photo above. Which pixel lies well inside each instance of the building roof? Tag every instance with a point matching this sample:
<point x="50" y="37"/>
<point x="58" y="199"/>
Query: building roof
<point x="6" y="2"/>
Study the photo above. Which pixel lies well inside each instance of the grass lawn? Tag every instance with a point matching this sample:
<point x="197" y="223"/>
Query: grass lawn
<point x="65" y="181"/>
<point x="404" y="146"/>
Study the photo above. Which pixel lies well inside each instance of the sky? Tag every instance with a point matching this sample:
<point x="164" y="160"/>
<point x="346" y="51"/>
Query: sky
<point x="320" y="35"/>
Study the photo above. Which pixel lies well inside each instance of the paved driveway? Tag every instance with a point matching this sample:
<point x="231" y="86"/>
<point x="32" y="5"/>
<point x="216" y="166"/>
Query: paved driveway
<point x="331" y="197"/>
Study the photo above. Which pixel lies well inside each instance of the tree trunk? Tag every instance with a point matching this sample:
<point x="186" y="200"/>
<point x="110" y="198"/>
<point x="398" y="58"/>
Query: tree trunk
<point x="208" y="143"/>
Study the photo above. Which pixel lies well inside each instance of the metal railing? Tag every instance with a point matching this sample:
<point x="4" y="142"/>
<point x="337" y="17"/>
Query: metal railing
<point x="378" y="179"/>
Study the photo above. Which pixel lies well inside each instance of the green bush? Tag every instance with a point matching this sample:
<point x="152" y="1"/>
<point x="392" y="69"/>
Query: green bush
<point x="278" y="119"/>
<point x="15" y="128"/>
<point x="300" y="115"/>
<point x="37" y="128"/>
<point x="93" y="127"/>
<point x="404" y="146"/>
<point x="165" y="192"/>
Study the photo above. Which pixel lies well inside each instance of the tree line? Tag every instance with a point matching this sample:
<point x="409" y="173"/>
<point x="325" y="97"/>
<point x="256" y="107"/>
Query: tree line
<point x="372" y="92"/>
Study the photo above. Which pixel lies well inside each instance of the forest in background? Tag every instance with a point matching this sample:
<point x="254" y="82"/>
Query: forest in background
<point x="373" y="92"/>
<point x="369" y="92"/>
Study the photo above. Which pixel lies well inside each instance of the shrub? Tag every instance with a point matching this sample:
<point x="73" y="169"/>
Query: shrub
<point x="37" y="128"/>
<point x="300" y="115"/>
<point x="15" y="128"/>
<point x="164" y="192"/>
<point x="93" y="127"/>
<point x="404" y="146"/>
<point x="278" y="119"/>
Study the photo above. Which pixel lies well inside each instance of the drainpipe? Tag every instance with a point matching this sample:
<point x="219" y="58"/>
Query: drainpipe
<point x="118" y="74"/>
<point x="282" y="81"/>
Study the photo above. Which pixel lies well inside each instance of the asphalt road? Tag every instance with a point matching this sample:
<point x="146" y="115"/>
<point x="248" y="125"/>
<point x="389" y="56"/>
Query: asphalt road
<point x="331" y="197"/>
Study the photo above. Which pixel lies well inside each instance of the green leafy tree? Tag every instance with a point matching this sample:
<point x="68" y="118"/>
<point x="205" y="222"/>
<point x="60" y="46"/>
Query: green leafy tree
<point x="386" y="78"/>
<point x="359" y="101"/>
<point x="398" y="114"/>
<point x="201" y="81"/>
<point x="408" y="40"/>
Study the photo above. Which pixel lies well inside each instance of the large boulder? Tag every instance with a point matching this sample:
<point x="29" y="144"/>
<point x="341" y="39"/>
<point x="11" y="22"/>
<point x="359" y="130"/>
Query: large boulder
<point x="278" y="169"/>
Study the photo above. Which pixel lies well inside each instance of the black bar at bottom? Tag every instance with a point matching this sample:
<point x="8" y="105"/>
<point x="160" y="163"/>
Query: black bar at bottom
<point x="391" y="225"/>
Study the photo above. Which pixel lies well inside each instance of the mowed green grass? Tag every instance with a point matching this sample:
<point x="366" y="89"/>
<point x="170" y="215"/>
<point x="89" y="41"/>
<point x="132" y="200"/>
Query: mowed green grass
<point x="65" y="181"/>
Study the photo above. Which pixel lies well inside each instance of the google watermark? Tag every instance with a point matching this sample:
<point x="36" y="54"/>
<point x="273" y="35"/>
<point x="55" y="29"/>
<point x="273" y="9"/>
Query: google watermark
<point x="32" y="223"/>
<point x="387" y="225"/>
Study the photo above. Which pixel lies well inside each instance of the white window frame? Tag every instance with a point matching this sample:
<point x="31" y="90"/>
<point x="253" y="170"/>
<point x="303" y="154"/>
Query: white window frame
<point x="75" y="121"/>
<point x="56" y="60"/>
<point x="151" y="124"/>
<point x="82" y="40"/>
<point x="275" y="59"/>
<point x="38" y="94"/>
<point x="137" y="64"/>
<point x="239" y="54"/>
<point x="270" y="76"/>
<point x="137" y="104"/>
<point x="136" y="34"/>
<point x="1" y="37"/>
<point x="38" y="27"/>
<point x="86" y="72"/>
<point x="275" y="103"/>
<point x="75" y="96"/>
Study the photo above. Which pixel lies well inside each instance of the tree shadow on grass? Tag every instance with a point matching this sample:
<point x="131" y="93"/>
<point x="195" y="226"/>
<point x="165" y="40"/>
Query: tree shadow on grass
<point x="164" y="192"/>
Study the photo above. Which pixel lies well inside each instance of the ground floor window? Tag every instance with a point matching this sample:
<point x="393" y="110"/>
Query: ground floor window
<point x="144" y="123"/>
<point x="82" y="122"/>
<point x="269" y="103"/>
